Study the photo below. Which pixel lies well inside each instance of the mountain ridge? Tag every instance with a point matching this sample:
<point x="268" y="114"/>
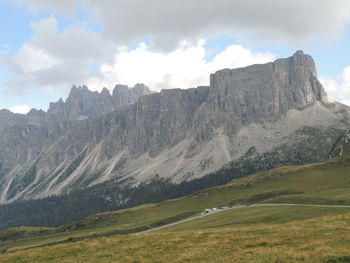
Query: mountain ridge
<point x="197" y="131"/>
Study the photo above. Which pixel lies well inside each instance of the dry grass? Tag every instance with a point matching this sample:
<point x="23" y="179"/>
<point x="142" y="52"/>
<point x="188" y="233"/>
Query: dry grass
<point x="248" y="235"/>
<point x="324" y="239"/>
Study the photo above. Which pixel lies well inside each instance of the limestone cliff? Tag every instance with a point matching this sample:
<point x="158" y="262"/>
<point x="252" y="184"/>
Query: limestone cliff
<point x="181" y="134"/>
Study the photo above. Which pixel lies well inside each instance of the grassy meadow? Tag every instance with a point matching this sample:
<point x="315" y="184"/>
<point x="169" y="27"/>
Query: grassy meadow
<point x="249" y="234"/>
<point x="325" y="239"/>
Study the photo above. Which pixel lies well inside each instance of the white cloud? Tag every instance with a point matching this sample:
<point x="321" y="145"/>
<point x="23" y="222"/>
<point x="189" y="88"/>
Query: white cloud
<point x="55" y="59"/>
<point x="74" y="42"/>
<point x="65" y="7"/>
<point x="58" y="59"/>
<point x="166" y="22"/>
<point x="184" y="67"/>
<point x="31" y="59"/>
<point x="338" y="89"/>
<point x="21" y="109"/>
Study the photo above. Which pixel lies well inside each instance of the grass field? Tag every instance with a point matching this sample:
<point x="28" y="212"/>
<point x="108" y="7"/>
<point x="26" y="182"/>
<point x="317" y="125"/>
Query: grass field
<point x="256" y="234"/>
<point x="325" y="239"/>
<point x="258" y="216"/>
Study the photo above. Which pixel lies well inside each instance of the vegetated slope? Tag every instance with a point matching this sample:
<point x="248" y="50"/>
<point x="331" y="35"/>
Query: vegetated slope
<point x="320" y="183"/>
<point x="121" y="193"/>
<point x="176" y="134"/>
<point x="342" y="146"/>
<point x="258" y="215"/>
<point x="320" y="240"/>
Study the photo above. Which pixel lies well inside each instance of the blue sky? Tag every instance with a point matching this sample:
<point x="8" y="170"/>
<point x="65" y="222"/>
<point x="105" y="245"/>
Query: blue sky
<point x="48" y="46"/>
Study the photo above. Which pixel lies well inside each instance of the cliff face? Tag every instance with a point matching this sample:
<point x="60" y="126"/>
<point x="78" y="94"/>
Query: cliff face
<point x="262" y="92"/>
<point x="9" y="119"/>
<point x="80" y="104"/>
<point x="83" y="103"/>
<point x="179" y="134"/>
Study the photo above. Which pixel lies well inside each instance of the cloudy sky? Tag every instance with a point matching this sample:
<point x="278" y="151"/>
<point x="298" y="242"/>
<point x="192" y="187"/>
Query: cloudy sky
<point x="46" y="46"/>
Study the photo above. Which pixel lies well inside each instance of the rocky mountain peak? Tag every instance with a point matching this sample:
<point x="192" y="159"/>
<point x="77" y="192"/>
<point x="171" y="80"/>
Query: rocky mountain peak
<point x="83" y="103"/>
<point x="267" y="91"/>
<point x="123" y="95"/>
<point x="301" y="61"/>
<point x="180" y="134"/>
<point x="120" y="88"/>
<point x="105" y="92"/>
<point x="35" y="112"/>
<point x="80" y="93"/>
<point x="303" y="58"/>
<point x="141" y="89"/>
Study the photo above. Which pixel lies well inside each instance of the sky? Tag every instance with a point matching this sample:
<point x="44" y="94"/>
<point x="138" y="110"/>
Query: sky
<point x="47" y="46"/>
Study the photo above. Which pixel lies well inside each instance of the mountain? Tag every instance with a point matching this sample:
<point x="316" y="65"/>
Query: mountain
<point x="9" y="119"/>
<point x="80" y="104"/>
<point x="276" y="113"/>
<point x="83" y="103"/>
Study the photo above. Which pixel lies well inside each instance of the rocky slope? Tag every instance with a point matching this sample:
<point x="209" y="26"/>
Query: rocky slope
<point x="83" y="103"/>
<point x="278" y="108"/>
<point x="80" y="104"/>
<point x="9" y="119"/>
<point x="342" y="146"/>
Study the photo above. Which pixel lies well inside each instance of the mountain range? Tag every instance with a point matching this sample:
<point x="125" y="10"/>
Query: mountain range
<point x="275" y="113"/>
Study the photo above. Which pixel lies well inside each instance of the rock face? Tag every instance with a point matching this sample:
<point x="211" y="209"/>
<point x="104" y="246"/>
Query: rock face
<point x="9" y="119"/>
<point x="181" y="134"/>
<point x="83" y="103"/>
<point x="342" y="147"/>
<point x="263" y="92"/>
<point x="80" y="104"/>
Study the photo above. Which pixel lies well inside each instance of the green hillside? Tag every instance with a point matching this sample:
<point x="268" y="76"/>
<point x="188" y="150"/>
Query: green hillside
<point x="120" y="193"/>
<point x="320" y="183"/>
<point x="319" y="240"/>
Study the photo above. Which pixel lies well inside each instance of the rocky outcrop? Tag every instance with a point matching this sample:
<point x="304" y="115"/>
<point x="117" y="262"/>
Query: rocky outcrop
<point x="342" y="147"/>
<point x="261" y="92"/>
<point x="80" y="104"/>
<point x="9" y="119"/>
<point x="180" y="134"/>
<point x="83" y="103"/>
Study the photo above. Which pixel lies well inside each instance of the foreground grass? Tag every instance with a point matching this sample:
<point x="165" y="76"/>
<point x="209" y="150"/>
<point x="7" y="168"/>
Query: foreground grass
<point x="325" y="239"/>
<point x="237" y="217"/>
<point x="35" y="237"/>
<point x="321" y="183"/>
<point x="258" y="216"/>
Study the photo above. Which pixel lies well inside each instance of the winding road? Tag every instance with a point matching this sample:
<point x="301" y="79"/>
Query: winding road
<point x="219" y="210"/>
